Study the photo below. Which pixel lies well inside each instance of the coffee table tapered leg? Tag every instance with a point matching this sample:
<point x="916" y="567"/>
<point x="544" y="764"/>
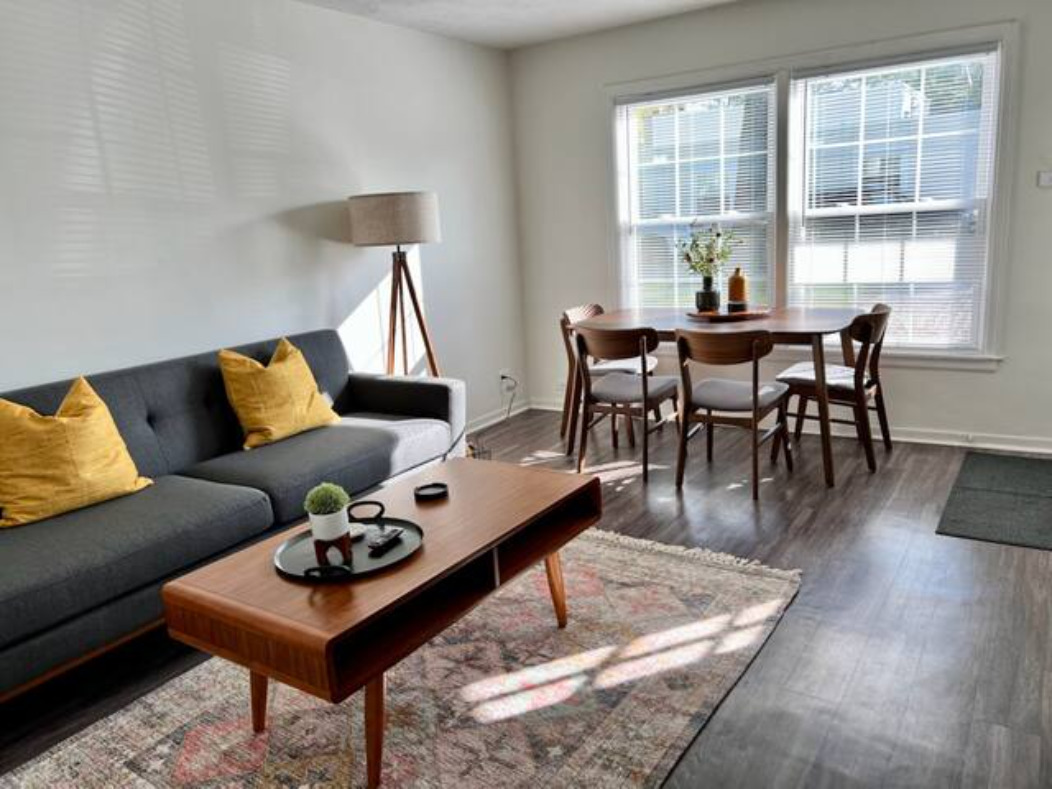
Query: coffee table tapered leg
<point x="554" y="567"/>
<point x="374" y="728"/>
<point x="258" y="683"/>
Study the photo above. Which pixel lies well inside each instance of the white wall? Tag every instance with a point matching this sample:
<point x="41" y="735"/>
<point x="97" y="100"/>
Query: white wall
<point x="172" y="175"/>
<point x="562" y="125"/>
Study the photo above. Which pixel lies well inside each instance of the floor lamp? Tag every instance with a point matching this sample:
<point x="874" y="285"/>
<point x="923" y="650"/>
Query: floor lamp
<point x="395" y="219"/>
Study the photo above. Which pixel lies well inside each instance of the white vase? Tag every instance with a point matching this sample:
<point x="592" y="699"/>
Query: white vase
<point x="329" y="527"/>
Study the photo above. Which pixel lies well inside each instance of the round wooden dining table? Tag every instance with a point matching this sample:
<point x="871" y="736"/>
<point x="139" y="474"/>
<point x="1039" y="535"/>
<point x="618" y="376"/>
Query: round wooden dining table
<point x="787" y="325"/>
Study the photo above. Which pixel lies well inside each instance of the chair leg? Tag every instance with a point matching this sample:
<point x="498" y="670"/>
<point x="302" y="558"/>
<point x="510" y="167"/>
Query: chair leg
<point x="801" y="414"/>
<point x="586" y="416"/>
<point x="708" y="436"/>
<point x="657" y="417"/>
<point x="567" y="395"/>
<point x="858" y="425"/>
<point x="783" y="417"/>
<point x="777" y="440"/>
<point x="681" y="455"/>
<point x="755" y="462"/>
<point x="882" y="415"/>
<point x="575" y="410"/>
<point x="613" y="428"/>
<point x="630" y="428"/>
<point x="865" y="432"/>
<point x="646" y="444"/>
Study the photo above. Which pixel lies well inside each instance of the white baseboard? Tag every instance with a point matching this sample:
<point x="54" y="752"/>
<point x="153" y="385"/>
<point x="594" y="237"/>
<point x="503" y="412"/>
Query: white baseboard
<point x="1033" y="445"/>
<point x="542" y="404"/>
<point x="493" y="417"/>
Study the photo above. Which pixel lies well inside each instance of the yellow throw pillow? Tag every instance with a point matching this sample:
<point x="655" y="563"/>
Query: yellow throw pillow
<point x="276" y="401"/>
<point x="54" y="464"/>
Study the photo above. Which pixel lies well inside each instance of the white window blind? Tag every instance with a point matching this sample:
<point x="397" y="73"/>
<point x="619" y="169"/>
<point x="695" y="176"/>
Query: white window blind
<point x="706" y="158"/>
<point x="890" y="195"/>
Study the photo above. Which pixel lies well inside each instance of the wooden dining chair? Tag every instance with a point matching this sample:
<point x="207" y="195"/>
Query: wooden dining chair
<point x="632" y="395"/>
<point x="572" y="391"/>
<point x="740" y="404"/>
<point x="854" y="387"/>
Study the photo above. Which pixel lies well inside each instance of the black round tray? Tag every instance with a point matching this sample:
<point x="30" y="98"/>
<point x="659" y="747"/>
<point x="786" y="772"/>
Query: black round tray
<point x="295" y="556"/>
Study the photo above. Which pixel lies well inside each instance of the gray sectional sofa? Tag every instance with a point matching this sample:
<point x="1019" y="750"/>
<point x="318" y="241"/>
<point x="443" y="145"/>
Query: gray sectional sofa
<point x="78" y="582"/>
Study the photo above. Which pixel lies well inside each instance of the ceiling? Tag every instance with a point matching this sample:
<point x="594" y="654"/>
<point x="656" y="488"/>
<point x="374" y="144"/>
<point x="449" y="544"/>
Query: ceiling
<point x="514" y="23"/>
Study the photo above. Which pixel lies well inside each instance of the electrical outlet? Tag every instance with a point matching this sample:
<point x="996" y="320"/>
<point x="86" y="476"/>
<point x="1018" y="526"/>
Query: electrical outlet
<point x="508" y="382"/>
<point x="1044" y="179"/>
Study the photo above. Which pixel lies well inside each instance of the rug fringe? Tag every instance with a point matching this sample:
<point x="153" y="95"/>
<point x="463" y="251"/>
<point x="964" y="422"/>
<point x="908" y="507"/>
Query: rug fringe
<point x="703" y="555"/>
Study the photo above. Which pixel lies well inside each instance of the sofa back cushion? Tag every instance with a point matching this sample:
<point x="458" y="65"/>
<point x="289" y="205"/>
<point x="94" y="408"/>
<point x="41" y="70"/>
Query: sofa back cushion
<point x="175" y="413"/>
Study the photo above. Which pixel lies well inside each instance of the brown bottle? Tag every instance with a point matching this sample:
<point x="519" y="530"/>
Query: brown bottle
<point x="737" y="288"/>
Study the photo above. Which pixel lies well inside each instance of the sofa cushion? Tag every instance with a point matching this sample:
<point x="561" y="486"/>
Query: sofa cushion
<point x="67" y="565"/>
<point x="359" y="452"/>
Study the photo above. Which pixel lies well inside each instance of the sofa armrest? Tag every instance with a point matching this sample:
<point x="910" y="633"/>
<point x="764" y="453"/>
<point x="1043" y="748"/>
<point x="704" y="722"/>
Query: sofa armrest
<point x="434" y="398"/>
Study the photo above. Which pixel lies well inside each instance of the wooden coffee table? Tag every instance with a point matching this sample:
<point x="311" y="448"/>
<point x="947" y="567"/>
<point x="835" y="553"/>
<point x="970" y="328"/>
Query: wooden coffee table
<point x="330" y="640"/>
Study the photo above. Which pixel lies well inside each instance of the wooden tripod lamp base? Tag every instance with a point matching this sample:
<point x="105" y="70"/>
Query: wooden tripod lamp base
<point x="401" y="283"/>
<point x="395" y="219"/>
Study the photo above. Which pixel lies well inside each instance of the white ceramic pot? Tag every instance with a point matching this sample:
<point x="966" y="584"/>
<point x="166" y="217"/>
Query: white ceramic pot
<point x="329" y="527"/>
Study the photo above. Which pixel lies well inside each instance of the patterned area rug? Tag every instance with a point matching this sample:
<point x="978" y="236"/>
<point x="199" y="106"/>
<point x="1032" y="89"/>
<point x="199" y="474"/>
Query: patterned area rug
<point x="657" y="638"/>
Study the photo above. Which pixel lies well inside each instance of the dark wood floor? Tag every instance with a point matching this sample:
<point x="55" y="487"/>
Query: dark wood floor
<point x="908" y="658"/>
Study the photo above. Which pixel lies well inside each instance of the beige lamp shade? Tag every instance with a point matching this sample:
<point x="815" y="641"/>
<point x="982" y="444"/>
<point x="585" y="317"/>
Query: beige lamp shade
<point x="394" y="218"/>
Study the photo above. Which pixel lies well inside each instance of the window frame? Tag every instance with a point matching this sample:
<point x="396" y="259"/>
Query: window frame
<point x="627" y="194"/>
<point x="782" y="71"/>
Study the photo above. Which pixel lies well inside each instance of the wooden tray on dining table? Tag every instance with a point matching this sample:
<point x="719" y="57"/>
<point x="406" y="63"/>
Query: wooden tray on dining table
<point x="723" y="316"/>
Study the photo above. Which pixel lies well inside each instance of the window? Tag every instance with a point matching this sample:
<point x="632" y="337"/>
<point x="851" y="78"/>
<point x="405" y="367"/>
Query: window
<point x="891" y="196"/>
<point x="706" y="158"/>
<point x="886" y="193"/>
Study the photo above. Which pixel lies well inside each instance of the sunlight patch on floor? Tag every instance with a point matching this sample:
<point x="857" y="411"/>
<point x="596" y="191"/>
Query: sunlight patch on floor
<point x="744" y="483"/>
<point x="641" y="668"/>
<point x="535" y="675"/>
<point x="519" y="692"/>
<point x="541" y="456"/>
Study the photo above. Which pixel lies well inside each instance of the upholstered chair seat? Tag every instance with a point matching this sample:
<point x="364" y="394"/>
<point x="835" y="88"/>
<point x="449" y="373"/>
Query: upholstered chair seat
<point x="628" y="388"/>
<point x="837" y="375"/>
<point x="720" y="394"/>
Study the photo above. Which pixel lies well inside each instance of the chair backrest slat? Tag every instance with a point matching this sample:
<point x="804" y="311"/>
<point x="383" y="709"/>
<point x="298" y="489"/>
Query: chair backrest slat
<point x="582" y="313"/>
<point x="724" y="348"/>
<point x="614" y="344"/>
<point x="868" y="330"/>
<point x="566" y="323"/>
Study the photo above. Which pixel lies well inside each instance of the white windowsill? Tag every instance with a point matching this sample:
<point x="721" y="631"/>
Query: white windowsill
<point x="893" y="358"/>
<point x="889" y="359"/>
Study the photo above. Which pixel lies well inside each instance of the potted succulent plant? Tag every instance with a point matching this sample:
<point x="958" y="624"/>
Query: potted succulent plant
<point x="326" y="506"/>
<point x="705" y="253"/>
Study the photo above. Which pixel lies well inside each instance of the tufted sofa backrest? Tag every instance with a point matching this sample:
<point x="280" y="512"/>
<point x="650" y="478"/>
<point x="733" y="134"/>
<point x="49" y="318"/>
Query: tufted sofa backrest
<point x="175" y="413"/>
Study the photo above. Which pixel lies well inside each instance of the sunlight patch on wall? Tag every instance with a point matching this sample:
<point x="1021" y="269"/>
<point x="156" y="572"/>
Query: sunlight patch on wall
<point x="257" y="91"/>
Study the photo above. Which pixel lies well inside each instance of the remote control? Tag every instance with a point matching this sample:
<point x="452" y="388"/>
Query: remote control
<point x="384" y="541"/>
